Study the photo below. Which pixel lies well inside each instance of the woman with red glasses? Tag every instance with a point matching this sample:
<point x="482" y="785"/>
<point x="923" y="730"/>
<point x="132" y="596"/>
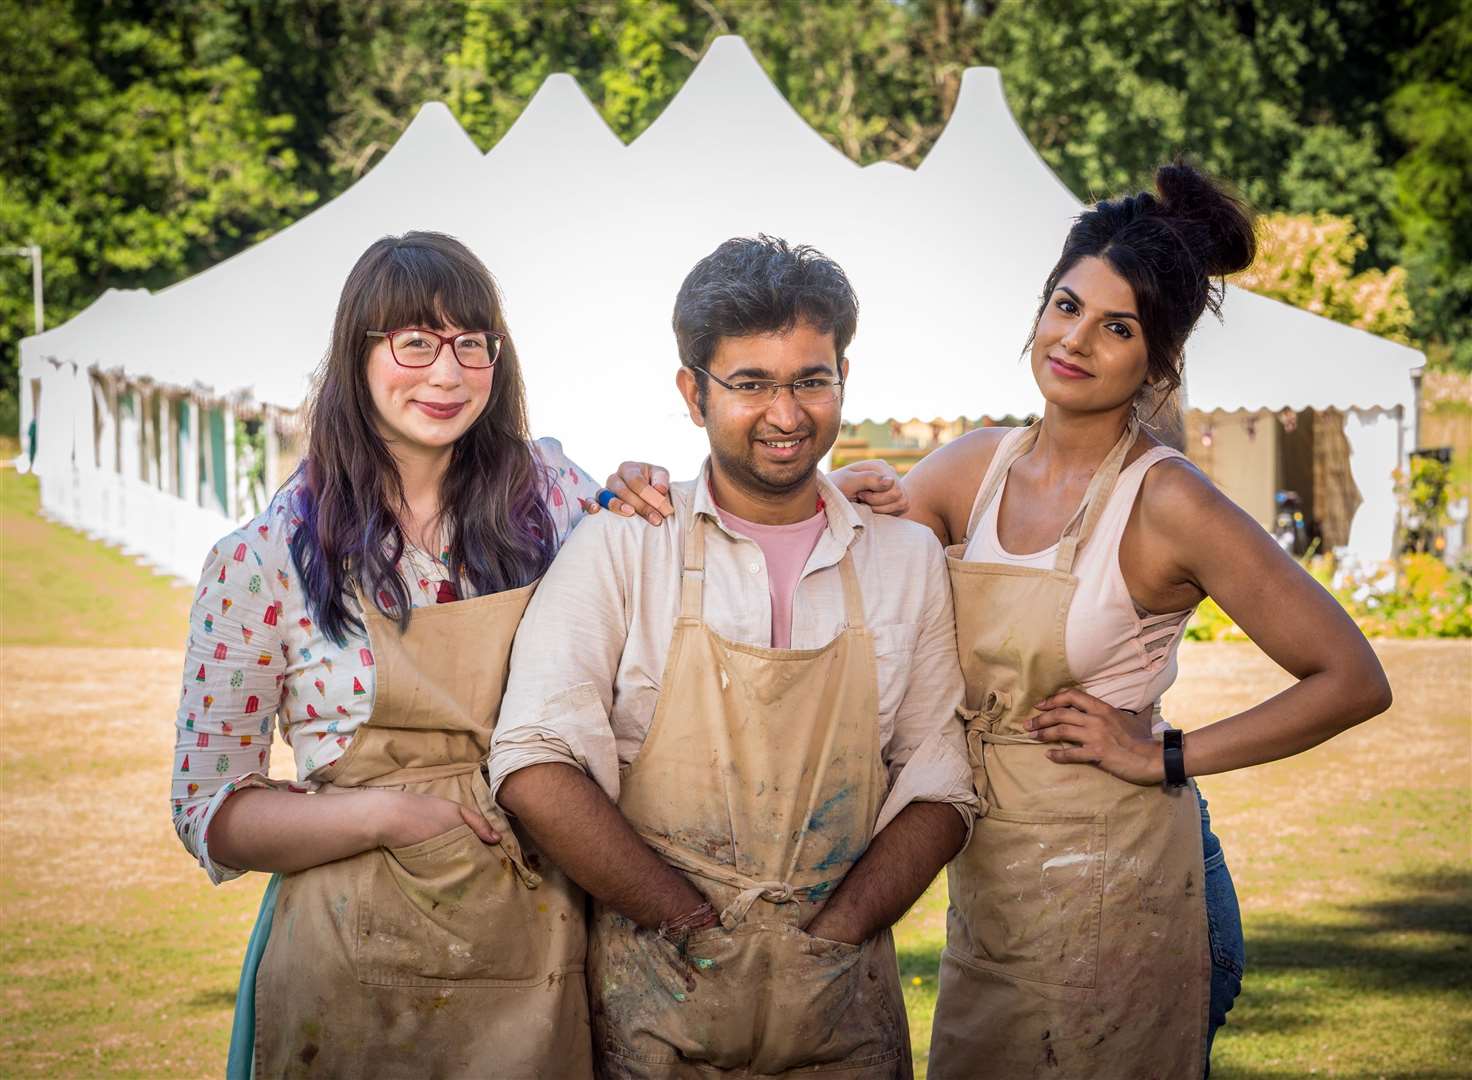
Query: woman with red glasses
<point x="369" y="613"/>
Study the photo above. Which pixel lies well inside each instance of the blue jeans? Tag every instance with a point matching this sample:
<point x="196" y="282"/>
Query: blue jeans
<point x="1223" y="931"/>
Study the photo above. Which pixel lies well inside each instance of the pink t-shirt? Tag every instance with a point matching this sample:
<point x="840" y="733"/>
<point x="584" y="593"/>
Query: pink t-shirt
<point x="786" y="549"/>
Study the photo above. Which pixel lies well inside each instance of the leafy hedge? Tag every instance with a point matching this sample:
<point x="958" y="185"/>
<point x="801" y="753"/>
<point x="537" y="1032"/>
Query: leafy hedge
<point x="1415" y="596"/>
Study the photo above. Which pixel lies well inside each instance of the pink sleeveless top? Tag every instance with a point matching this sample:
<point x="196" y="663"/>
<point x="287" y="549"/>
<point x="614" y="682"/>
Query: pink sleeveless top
<point x="1119" y="654"/>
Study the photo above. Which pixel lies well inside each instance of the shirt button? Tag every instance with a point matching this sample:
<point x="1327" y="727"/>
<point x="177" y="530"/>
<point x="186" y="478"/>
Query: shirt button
<point x="754" y="568"/>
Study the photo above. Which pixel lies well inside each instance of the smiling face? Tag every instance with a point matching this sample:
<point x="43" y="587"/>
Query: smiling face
<point x="423" y="411"/>
<point x="767" y="453"/>
<point x="1088" y="354"/>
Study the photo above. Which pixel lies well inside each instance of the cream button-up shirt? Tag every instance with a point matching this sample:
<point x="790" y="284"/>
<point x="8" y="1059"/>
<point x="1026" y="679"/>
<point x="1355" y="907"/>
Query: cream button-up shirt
<point x="588" y="659"/>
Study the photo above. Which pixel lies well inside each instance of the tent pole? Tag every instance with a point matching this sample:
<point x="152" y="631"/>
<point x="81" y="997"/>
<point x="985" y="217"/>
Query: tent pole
<point x="232" y="481"/>
<point x="148" y="411"/>
<point x="273" y="450"/>
<point x="192" y="447"/>
<point x="168" y="441"/>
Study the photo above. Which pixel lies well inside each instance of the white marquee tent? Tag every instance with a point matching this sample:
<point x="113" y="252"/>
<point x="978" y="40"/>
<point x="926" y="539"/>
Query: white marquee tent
<point x="589" y="240"/>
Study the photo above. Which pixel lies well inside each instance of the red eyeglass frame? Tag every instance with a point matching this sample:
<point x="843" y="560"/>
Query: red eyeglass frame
<point x="388" y="335"/>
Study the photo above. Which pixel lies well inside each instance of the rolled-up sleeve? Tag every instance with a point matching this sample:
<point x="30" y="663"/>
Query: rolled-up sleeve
<point x="231" y="690"/>
<point x="926" y="757"/>
<point x="564" y="662"/>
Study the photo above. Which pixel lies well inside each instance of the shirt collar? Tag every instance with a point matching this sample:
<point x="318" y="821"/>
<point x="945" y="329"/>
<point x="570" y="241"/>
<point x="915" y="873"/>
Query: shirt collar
<point x="845" y="523"/>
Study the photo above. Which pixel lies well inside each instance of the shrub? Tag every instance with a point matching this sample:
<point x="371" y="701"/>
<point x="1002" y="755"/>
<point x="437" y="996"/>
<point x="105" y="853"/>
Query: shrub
<point x="1414" y="596"/>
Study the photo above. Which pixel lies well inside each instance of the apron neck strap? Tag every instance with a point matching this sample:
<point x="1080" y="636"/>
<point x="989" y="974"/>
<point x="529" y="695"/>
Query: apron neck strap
<point x="692" y="579"/>
<point x="853" y="599"/>
<point x="1095" y="499"/>
<point x="368" y="610"/>
<point x="997" y="475"/>
<point x="692" y="576"/>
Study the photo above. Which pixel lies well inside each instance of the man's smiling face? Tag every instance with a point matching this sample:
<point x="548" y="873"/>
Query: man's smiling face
<point x="770" y="448"/>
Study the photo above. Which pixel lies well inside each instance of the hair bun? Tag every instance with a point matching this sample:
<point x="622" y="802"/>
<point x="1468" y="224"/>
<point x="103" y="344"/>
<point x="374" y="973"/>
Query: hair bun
<point x="1217" y="223"/>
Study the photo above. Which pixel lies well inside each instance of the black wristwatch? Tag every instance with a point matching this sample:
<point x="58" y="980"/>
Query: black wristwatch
<point x="1175" y="758"/>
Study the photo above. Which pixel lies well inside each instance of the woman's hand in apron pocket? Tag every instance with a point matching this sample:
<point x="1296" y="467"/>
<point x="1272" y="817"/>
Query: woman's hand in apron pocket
<point x="1116" y="741"/>
<point x="404" y="818"/>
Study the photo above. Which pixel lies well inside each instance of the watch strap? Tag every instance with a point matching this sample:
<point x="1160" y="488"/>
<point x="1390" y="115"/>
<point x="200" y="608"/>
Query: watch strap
<point x="1175" y="757"/>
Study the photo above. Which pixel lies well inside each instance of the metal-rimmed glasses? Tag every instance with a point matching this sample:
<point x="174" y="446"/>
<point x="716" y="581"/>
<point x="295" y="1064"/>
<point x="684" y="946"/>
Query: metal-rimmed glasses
<point x="416" y="347"/>
<point x="815" y="390"/>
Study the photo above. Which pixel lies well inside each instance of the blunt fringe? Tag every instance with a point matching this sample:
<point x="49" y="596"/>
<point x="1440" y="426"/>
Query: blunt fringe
<point x="350" y="497"/>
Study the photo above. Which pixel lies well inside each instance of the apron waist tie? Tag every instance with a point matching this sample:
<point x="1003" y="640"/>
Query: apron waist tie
<point x="416" y="774"/>
<point x="750" y="890"/>
<point x="983" y="726"/>
<point x="983" y="722"/>
<point x="1006" y="740"/>
<point x="775" y="892"/>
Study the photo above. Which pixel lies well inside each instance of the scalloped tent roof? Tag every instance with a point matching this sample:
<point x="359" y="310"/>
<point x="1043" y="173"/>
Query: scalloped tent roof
<point x="86" y="338"/>
<point x="591" y="239"/>
<point x="257" y="324"/>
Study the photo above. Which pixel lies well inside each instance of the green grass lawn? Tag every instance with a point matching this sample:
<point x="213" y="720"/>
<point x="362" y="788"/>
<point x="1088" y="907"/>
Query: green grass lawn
<point x="117" y="958"/>
<point x="60" y="588"/>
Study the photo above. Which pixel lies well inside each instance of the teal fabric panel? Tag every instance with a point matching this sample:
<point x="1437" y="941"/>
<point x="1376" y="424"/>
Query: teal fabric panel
<point x="217" y="455"/>
<point x="241" y="1063"/>
<point x="181" y="413"/>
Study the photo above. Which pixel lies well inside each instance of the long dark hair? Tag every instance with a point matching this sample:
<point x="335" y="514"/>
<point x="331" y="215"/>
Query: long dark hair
<point x="1173" y="247"/>
<point x="350" y="494"/>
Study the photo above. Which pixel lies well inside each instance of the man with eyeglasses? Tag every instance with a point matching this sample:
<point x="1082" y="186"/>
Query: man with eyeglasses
<point x="738" y="731"/>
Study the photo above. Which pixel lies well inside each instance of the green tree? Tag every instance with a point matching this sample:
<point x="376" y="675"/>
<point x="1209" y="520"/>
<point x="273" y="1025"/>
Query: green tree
<point x="149" y="141"/>
<point x="876" y="79"/>
<point x="1431" y="114"/>
<point x="135" y="155"/>
<point x="1308" y="260"/>
<point x="1108" y="90"/>
<point x="630" y="57"/>
<point x="1361" y="109"/>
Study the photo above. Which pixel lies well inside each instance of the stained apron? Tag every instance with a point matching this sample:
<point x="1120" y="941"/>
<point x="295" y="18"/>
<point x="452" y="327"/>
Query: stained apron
<point x="1076" y="939"/>
<point x="443" y="958"/>
<point x="761" y="779"/>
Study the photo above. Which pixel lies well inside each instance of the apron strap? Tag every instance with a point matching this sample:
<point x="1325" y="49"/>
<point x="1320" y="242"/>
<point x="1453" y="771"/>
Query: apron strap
<point x="1095" y="499"/>
<point x="692" y="579"/>
<point x="1089" y="509"/>
<point x="692" y="576"/>
<point x="996" y="475"/>
<point x="853" y="599"/>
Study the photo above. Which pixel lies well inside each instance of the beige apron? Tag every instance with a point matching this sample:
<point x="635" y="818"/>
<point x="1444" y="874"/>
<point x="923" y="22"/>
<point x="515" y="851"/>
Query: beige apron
<point x="448" y="957"/>
<point x="1076" y="940"/>
<point x="761" y="779"/>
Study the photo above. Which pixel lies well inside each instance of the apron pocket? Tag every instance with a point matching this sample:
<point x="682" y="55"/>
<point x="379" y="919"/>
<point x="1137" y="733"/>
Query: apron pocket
<point x="1035" y="895"/>
<point x="446" y="910"/>
<point x="771" y="998"/>
<point x="826" y="1004"/>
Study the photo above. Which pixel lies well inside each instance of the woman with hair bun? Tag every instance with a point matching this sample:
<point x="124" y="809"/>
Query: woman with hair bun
<point x="1082" y="940"/>
<point x="1093" y="930"/>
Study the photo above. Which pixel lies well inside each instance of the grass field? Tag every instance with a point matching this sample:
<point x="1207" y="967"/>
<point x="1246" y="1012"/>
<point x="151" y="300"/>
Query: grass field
<point x="117" y="958"/>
